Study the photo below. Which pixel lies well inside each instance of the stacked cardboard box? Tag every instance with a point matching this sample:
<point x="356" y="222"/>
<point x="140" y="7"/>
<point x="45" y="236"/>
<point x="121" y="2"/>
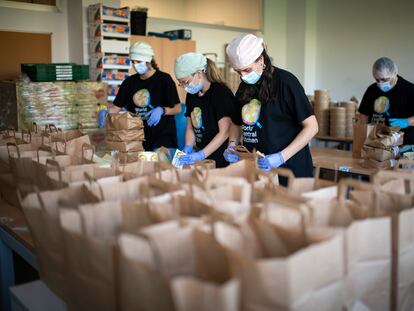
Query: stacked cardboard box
<point x="125" y="134"/>
<point x="381" y="149"/>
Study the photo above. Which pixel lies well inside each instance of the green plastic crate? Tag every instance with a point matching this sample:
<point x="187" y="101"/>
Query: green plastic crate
<point x="56" y="72"/>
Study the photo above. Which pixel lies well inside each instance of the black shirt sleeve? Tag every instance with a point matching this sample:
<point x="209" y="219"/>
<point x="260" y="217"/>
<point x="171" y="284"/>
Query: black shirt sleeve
<point x="223" y="102"/>
<point x="121" y="99"/>
<point x="171" y="94"/>
<point x="300" y="103"/>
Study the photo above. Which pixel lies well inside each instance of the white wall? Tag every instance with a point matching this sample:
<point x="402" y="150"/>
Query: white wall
<point x="275" y="30"/>
<point x="208" y="38"/>
<point x="12" y="19"/>
<point x="352" y="34"/>
<point x="75" y="29"/>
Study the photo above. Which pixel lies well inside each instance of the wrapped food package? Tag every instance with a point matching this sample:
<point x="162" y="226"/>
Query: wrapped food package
<point x="65" y="104"/>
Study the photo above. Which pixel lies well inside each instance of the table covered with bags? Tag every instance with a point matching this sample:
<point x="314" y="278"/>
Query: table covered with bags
<point x="146" y="236"/>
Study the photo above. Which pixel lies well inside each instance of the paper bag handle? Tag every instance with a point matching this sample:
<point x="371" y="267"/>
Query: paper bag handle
<point x="8" y="133"/>
<point x="285" y="172"/>
<point x="47" y="149"/>
<point x="346" y="183"/>
<point x="28" y="135"/>
<point x="44" y="135"/>
<point x="286" y="200"/>
<point x="154" y="249"/>
<point x="52" y="127"/>
<point x="50" y="163"/>
<point x="382" y="176"/>
<point x="34" y="127"/>
<point x="14" y="145"/>
<point x="85" y="147"/>
<point x="92" y="180"/>
<point x="57" y="140"/>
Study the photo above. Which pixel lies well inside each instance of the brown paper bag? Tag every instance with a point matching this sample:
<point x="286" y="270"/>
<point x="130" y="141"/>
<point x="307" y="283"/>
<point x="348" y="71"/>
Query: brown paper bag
<point x="80" y="173"/>
<point x="41" y="210"/>
<point x="380" y="154"/>
<point x="371" y="278"/>
<point x="125" y="135"/>
<point x="175" y="267"/>
<point x="302" y="185"/>
<point x="360" y="133"/>
<point x="89" y="234"/>
<point x="384" y="137"/>
<point x="405" y="280"/>
<point x="125" y="146"/>
<point x="136" y="169"/>
<point x="383" y="165"/>
<point x="282" y="279"/>
<point x="123" y="121"/>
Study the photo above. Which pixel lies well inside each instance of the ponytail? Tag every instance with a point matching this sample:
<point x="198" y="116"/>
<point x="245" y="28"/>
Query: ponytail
<point x="213" y="73"/>
<point x="265" y="89"/>
<point x="154" y="64"/>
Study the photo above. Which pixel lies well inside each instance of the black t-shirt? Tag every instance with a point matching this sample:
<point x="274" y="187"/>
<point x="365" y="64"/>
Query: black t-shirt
<point x="396" y="103"/>
<point x="205" y="113"/>
<point x="270" y="127"/>
<point x="141" y="96"/>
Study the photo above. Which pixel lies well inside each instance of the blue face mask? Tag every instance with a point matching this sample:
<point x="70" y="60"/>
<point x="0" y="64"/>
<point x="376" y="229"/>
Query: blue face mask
<point x="385" y="86"/>
<point x="251" y="77"/>
<point x="141" y="68"/>
<point x="194" y="89"/>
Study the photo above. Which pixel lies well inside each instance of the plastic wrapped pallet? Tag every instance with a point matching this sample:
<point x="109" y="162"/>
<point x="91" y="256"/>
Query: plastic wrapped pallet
<point x="64" y="104"/>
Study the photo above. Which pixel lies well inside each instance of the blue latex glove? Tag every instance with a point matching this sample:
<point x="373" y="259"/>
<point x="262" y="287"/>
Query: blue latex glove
<point x="270" y="161"/>
<point x="401" y="123"/>
<point x="188" y="149"/>
<point x="192" y="158"/>
<point x="154" y="116"/>
<point x="230" y="157"/>
<point x="101" y="117"/>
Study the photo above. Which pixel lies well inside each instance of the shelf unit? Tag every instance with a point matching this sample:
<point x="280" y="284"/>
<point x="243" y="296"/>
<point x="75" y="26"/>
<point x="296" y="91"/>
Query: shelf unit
<point x="109" y="33"/>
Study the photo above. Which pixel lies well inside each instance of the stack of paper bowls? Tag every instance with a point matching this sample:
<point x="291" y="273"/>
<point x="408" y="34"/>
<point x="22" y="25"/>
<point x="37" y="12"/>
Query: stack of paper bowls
<point x="321" y="109"/>
<point x="350" y="110"/>
<point x="338" y="121"/>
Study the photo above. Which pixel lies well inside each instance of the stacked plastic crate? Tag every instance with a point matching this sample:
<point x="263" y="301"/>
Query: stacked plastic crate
<point x="109" y="32"/>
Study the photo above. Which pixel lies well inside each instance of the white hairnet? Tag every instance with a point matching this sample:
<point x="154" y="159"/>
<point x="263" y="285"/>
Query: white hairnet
<point x="189" y="63"/>
<point x="141" y="51"/>
<point x="244" y="50"/>
<point x="386" y="67"/>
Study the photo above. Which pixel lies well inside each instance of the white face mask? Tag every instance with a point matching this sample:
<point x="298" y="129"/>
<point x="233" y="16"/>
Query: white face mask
<point x="141" y="67"/>
<point x="385" y="86"/>
<point x="251" y="78"/>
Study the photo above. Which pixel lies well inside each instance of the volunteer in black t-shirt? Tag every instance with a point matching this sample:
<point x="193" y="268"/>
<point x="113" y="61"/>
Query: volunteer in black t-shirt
<point x="272" y="109"/>
<point x="152" y="95"/>
<point x="390" y="99"/>
<point x="209" y="105"/>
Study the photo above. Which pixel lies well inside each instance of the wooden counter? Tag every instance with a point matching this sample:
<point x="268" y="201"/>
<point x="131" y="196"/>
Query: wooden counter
<point x="12" y="220"/>
<point x="343" y="159"/>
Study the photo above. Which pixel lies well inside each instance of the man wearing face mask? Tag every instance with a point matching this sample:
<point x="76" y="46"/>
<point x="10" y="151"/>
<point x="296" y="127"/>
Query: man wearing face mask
<point x="209" y="104"/>
<point x="272" y="111"/>
<point x="152" y="95"/>
<point x="390" y="99"/>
